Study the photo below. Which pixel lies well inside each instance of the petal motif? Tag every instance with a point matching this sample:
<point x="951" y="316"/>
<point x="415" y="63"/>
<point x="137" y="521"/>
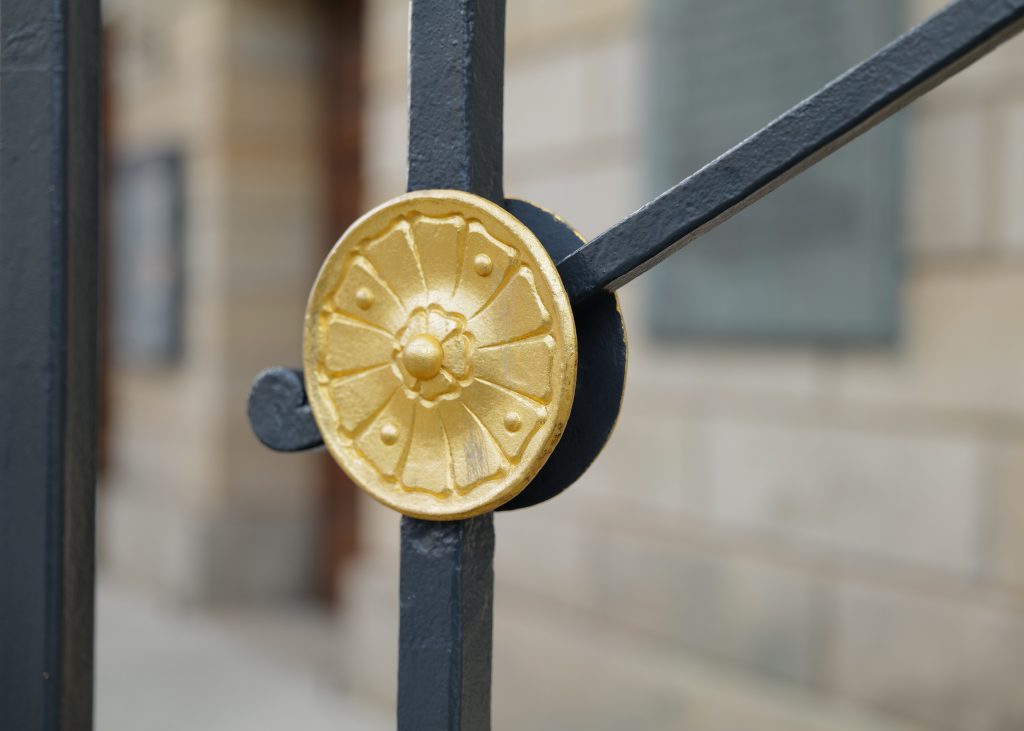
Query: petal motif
<point x="352" y="346"/>
<point x="456" y="355"/>
<point x="439" y="384"/>
<point x="476" y="289"/>
<point x="394" y="257"/>
<point x="515" y="313"/>
<point x="362" y="295"/>
<point x="524" y="366"/>
<point x="509" y="418"/>
<point x="439" y="243"/>
<point x="440" y="324"/>
<point x="416" y="325"/>
<point x="375" y="443"/>
<point x="357" y="398"/>
<point x="427" y="465"/>
<point x="475" y="457"/>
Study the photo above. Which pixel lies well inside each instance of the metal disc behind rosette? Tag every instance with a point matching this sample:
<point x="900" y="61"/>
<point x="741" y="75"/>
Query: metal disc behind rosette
<point x="440" y="354"/>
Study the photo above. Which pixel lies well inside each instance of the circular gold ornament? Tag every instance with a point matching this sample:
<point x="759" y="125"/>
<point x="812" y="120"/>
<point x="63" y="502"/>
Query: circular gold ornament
<point x="440" y="354"/>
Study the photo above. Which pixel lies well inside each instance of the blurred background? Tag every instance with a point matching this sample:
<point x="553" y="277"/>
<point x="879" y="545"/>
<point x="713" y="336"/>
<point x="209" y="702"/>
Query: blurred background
<point x="811" y="513"/>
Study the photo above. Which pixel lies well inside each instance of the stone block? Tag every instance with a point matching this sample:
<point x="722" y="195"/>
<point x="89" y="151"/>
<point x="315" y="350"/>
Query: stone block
<point x="1008" y="186"/>
<point x="369" y="627"/>
<point x="617" y="86"/>
<point x="654" y="464"/>
<point x="253" y="553"/>
<point x="534" y="24"/>
<point x="946" y="663"/>
<point x="386" y="136"/>
<point x="386" y="44"/>
<point x="758" y="616"/>
<point x="378" y="527"/>
<point x="1008" y="517"/>
<point x="916" y="499"/>
<point x="555" y="670"/>
<point x="546" y="102"/>
<point x="961" y="352"/>
<point x="144" y="541"/>
<point x="537" y="555"/>
<point x="948" y="181"/>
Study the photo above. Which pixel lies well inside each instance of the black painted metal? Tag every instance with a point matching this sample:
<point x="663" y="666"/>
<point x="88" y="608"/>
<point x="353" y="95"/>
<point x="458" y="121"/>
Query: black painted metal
<point x="281" y="418"/>
<point x="849" y="106"/>
<point x="447" y="597"/>
<point x="279" y="412"/>
<point x="601" y="370"/>
<point x="49" y="138"/>
<point x="456" y="95"/>
<point x="456" y="82"/>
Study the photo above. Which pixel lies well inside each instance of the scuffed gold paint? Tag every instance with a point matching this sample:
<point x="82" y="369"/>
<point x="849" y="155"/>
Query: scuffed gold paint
<point x="440" y="354"/>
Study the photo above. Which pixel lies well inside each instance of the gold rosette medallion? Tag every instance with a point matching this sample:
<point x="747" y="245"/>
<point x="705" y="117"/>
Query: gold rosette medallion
<point x="440" y="354"/>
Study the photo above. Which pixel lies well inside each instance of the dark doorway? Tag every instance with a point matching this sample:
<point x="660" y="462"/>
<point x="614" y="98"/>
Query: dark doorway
<point x="343" y="137"/>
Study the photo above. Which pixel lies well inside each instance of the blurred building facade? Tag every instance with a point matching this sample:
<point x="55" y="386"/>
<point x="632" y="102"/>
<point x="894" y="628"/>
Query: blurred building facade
<point x="778" y="536"/>
<point x="192" y="506"/>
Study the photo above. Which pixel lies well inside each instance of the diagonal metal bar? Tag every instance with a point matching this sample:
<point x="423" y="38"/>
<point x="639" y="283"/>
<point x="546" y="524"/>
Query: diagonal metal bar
<point x="49" y="140"/>
<point x="456" y="82"/>
<point x="846" y="108"/>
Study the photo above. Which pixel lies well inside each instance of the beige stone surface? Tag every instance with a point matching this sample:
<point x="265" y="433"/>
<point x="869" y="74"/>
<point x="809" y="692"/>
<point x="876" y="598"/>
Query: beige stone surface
<point x="902" y="497"/>
<point x="537" y="555"/>
<point x="193" y="505"/>
<point x="953" y="181"/>
<point x="673" y="451"/>
<point x="750" y="613"/>
<point x="948" y="662"/>
<point x="1008" y="182"/>
<point x="163" y="668"/>
<point x="596" y="677"/>
<point x="560" y="669"/>
<point x="1007" y="523"/>
<point x="960" y="353"/>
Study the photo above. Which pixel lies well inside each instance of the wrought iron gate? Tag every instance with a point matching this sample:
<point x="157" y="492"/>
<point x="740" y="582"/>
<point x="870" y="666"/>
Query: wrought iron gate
<point x="48" y="280"/>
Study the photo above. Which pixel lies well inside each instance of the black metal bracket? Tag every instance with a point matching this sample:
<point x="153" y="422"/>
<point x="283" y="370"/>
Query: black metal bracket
<point x="279" y="412"/>
<point x="282" y="420"/>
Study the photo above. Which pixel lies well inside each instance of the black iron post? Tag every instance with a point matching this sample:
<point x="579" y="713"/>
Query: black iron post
<point x="456" y="83"/>
<point x="49" y="137"/>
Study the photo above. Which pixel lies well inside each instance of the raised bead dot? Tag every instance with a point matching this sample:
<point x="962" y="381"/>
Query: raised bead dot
<point x="364" y="298"/>
<point x="482" y="265"/>
<point x="389" y="434"/>
<point x="423" y="357"/>
<point x="513" y="421"/>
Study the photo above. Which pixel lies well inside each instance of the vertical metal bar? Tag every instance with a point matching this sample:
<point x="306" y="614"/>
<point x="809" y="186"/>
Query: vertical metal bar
<point x="447" y="598"/>
<point x="49" y="100"/>
<point x="456" y="95"/>
<point x="456" y="91"/>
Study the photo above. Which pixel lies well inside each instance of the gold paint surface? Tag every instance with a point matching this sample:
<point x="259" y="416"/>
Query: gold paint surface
<point x="440" y="354"/>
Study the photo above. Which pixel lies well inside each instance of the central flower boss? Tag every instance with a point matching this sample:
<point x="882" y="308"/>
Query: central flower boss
<point x="433" y="355"/>
<point x="434" y="365"/>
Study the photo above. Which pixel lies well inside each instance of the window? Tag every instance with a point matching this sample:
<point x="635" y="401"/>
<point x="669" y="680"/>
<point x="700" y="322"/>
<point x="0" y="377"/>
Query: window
<point x="818" y="260"/>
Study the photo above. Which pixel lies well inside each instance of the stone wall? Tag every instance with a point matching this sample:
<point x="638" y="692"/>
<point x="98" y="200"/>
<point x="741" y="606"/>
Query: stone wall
<point x="191" y="504"/>
<point x="775" y="537"/>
